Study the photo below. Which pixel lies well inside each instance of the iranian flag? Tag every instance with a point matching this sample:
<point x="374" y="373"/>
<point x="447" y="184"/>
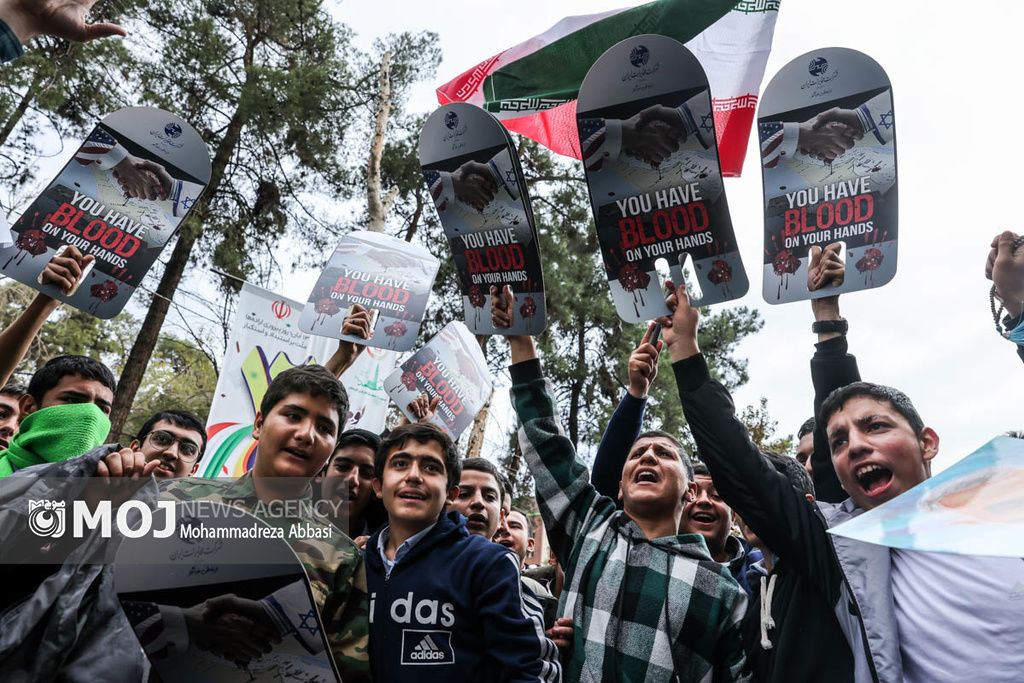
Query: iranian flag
<point x="532" y="87"/>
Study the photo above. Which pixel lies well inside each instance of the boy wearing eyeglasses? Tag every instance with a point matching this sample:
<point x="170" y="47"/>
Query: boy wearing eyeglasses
<point x="174" y="437"/>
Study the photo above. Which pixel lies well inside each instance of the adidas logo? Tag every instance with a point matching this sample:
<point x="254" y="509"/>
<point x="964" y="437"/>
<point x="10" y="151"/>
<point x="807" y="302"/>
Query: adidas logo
<point x="427" y="650"/>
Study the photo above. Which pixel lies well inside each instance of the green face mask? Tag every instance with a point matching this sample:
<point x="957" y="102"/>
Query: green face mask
<point x="54" y="434"/>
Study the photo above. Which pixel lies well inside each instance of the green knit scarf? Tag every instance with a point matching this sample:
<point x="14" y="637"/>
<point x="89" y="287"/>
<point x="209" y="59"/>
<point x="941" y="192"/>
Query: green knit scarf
<point x="54" y="434"/>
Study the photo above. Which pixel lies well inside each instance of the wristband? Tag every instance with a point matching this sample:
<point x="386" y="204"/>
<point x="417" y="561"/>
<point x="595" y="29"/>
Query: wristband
<point x="827" y="326"/>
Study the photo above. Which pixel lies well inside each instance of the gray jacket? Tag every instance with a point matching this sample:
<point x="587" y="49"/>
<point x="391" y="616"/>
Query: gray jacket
<point x="72" y="627"/>
<point x="866" y="591"/>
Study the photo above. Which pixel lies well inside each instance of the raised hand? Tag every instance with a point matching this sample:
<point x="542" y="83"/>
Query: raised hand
<point x="1005" y="267"/>
<point x="502" y="306"/>
<point x="826" y="267"/>
<point x="65" y="270"/>
<point x="58" y="18"/>
<point x="643" y="364"/>
<point x="679" y="330"/>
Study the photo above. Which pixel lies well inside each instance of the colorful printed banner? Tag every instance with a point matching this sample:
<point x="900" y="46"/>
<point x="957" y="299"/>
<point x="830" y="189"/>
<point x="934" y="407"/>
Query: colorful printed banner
<point x="975" y="507"/>
<point x="266" y="340"/>
<point x="532" y="87"/>
<point x="120" y="198"/>
<point x="452" y="366"/>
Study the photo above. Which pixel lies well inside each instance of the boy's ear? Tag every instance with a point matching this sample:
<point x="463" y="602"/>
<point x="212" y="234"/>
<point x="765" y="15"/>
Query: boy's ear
<point x="453" y="493"/>
<point x="257" y="425"/>
<point x="691" y="492"/>
<point x="135" y="445"/>
<point x="26" y="406"/>
<point x="376" y="486"/>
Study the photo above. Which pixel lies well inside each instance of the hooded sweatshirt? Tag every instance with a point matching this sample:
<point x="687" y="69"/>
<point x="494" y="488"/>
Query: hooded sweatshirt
<point x="452" y="609"/>
<point x="629" y="596"/>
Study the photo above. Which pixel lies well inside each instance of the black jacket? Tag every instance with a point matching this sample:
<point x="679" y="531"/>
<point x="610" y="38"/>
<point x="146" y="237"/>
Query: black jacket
<point x="807" y="642"/>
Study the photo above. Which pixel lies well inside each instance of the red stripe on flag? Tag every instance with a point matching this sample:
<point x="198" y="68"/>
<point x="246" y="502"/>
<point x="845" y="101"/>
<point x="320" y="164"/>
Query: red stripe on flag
<point x="733" y="120"/>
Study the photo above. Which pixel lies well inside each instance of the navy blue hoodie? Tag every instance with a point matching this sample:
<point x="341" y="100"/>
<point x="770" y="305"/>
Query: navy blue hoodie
<point x="453" y="610"/>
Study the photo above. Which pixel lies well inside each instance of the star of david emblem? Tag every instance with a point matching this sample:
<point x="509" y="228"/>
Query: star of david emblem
<point x="707" y="122"/>
<point x="510" y="177"/>
<point x="309" y="623"/>
<point x="885" y="120"/>
<point x="188" y="202"/>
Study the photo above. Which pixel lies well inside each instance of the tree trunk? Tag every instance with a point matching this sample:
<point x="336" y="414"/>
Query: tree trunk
<point x="476" y="434"/>
<point x="376" y="204"/>
<point x="142" y="349"/>
<point x="19" y="111"/>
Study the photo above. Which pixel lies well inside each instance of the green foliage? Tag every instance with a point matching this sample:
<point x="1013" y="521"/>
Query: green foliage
<point x="762" y="428"/>
<point x="179" y="376"/>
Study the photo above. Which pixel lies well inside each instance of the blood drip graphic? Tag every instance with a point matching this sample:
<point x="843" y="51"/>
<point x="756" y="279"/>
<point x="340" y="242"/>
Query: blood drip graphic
<point x="634" y="280"/>
<point x="869" y="263"/>
<point x="785" y="264"/>
<point x="395" y="330"/>
<point x="528" y="310"/>
<point x="409" y="380"/>
<point x="476" y="300"/>
<point x="325" y="307"/>
<point x="721" y="274"/>
<point x="103" y="292"/>
<point x="30" y="242"/>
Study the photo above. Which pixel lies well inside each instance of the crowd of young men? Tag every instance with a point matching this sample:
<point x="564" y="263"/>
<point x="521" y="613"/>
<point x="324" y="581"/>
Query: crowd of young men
<point x="418" y="575"/>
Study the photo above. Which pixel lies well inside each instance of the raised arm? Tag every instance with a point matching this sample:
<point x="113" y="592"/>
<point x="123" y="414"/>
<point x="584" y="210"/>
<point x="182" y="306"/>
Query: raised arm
<point x="1005" y="267"/>
<point x="565" y="496"/>
<point x="831" y="366"/>
<point x="779" y="514"/>
<point x="357" y="323"/>
<point x="64" y="272"/>
<point x="627" y="420"/>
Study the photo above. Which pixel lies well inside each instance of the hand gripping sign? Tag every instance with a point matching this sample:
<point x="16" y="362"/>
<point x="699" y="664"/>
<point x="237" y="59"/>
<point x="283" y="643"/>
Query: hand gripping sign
<point x="119" y="199"/>
<point x="647" y="135"/>
<point x="828" y="164"/>
<point x="473" y="173"/>
<point x="390" y="277"/>
<point x="450" y="366"/>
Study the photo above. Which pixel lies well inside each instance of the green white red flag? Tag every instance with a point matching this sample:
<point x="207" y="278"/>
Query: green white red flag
<point x="532" y="87"/>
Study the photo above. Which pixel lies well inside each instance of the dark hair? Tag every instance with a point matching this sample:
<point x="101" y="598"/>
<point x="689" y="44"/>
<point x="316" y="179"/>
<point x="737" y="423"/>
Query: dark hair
<point x="488" y="467"/>
<point x="13" y="389"/>
<point x="312" y="380"/>
<point x="358" y="437"/>
<point x="529" y="525"/>
<point x="56" y="369"/>
<point x="1013" y="434"/>
<point x="894" y="397"/>
<point x="683" y="455"/>
<point x="792" y="469"/>
<point x="806" y="428"/>
<point x="701" y="469"/>
<point x="180" y="418"/>
<point x="422" y="432"/>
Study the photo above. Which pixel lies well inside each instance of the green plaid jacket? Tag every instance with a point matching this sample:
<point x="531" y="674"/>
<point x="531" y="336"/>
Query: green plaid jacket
<point x="644" y="610"/>
<point x="334" y="567"/>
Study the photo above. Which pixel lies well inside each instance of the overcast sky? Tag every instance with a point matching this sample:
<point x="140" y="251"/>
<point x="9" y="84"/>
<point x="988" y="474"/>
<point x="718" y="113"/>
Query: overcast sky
<point x="955" y="78"/>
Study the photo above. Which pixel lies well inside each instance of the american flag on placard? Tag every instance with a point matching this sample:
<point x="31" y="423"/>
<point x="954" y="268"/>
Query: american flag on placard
<point x="99" y="148"/>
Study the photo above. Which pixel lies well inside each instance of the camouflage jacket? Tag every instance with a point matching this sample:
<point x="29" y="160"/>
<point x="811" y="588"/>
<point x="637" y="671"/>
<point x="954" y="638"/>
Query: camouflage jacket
<point x="334" y="565"/>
